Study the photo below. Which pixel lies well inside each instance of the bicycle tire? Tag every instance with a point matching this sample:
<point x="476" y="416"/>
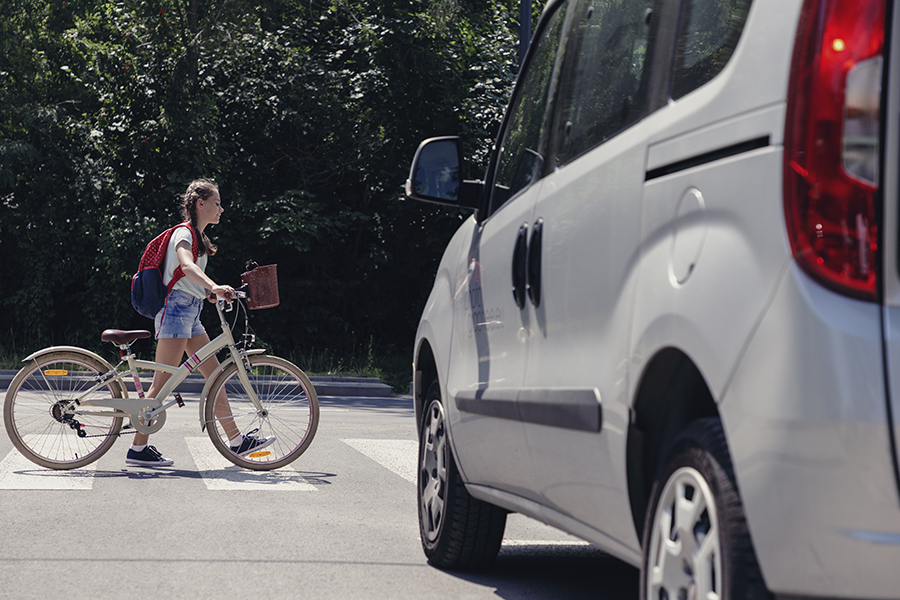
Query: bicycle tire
<point x="291" y="412"/>
<point x="34" y="419"/>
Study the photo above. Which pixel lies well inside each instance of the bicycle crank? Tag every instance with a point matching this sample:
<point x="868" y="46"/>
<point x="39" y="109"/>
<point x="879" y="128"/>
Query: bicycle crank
<point x="138" y="409"/>
<point x="145" y="424"/>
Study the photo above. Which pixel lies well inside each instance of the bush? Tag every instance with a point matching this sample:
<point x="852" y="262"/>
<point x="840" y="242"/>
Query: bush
<point x="305" y="114"/>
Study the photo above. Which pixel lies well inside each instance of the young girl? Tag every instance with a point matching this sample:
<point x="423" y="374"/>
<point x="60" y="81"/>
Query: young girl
<point x="178" y="328"/>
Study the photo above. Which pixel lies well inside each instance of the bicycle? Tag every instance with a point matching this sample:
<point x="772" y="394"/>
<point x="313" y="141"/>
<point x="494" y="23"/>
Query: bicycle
<point x="66" y="407"/>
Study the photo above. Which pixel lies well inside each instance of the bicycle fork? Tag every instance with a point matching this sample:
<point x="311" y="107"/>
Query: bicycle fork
<point x="240" y="357"/>
<point x="242" y="360"/>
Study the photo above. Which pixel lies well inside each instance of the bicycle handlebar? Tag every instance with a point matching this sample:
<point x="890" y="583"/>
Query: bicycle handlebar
<point x="237" y="294"/>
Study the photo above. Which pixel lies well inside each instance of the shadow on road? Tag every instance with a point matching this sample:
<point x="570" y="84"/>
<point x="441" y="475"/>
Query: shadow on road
<point x="234" y="474"/>
<point x="549" y="572"/>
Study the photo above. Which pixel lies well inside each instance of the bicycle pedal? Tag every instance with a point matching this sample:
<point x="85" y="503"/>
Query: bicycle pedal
<point x="179" y="400"/>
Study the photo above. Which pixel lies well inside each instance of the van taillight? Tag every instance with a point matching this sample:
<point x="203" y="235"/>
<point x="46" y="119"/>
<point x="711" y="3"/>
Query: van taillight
<point x="831" y="145"/>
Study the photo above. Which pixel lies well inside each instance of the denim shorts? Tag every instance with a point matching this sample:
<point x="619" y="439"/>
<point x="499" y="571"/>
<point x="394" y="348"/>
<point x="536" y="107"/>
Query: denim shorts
<point x="181" y="317"/>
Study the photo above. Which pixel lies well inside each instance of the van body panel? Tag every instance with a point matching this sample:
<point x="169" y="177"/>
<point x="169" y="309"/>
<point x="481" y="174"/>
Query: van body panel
<point x="489" y="349"/>
<point x="891" y="234"/>
<point x="590" y="211"/>
<point x="807" y="428"/>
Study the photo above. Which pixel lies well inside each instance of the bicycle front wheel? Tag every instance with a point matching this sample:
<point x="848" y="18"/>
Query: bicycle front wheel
<point x="284" y="427"/>
<point x="43" y="419"/>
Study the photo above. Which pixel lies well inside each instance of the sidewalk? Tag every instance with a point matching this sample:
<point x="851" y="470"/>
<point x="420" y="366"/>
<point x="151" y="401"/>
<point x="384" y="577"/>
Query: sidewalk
<point x="368" y="387"/>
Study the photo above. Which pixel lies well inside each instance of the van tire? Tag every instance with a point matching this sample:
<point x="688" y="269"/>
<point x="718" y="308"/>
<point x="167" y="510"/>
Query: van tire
<point x="680" y="557"/>
<point x="457" y="531"/>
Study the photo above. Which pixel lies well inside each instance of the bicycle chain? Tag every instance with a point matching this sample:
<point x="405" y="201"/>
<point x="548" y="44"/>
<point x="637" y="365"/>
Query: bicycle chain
<point x="120" y="433"/>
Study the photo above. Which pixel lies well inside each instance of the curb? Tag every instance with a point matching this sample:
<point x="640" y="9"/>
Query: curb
<point x="367" y="387"/>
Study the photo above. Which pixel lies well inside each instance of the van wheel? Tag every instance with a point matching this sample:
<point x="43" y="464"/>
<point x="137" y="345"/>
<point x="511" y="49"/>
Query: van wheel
<point x="458" y="531"/>
<point x="696" y="542"/>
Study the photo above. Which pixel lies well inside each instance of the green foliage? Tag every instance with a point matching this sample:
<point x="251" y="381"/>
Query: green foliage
<point x="388" y="364"/>
<point x="306" y="114"/>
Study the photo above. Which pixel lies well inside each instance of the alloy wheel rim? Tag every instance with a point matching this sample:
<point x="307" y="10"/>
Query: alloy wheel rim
<point x="433" y="472"/>
<point x="685" y="561"/>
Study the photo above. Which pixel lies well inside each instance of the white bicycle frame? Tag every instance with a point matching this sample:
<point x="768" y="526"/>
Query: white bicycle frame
<point x="148" y="415"/>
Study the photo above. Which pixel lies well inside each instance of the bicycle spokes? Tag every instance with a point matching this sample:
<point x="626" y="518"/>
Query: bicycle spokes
<point x="285" y="420"/>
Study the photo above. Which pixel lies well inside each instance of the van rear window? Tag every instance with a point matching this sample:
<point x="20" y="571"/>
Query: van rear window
<point x="710" y="30"/>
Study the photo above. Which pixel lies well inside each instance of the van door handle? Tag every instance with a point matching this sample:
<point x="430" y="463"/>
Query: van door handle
<point x="519" y="266"/>
<point x="534" y="263"/>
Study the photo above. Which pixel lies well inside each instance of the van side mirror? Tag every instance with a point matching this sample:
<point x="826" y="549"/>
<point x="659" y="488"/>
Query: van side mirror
<point x="435" y="175"/>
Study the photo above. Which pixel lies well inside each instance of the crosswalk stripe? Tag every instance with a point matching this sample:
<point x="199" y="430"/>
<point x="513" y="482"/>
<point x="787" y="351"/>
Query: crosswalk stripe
<point x="221" y="475"/>
<point x="399" y="456"/>
<point x="19" y="473"/>
<point x="549" y="543"/>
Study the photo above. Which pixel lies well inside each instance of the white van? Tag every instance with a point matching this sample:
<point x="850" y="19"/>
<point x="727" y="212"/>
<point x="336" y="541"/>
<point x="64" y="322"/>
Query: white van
<point x="672" y="325"/>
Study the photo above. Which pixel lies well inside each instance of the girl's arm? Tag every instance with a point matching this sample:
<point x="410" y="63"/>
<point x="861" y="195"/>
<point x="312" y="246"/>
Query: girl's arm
<point x="196" y="274"/>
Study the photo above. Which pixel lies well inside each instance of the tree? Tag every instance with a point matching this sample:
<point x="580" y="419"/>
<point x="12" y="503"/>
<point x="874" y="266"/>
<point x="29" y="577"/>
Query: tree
<point x="307" y="115"/>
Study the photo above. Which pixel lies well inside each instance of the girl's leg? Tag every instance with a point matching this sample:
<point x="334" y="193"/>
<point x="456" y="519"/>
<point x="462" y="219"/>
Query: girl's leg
<point x="222" y="409"/>
<point x="241" y="444"/>
<point x="168" y="352"/>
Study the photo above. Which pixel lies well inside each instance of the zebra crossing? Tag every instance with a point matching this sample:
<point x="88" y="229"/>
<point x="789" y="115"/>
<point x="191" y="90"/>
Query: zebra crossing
<point x="220" y="475"/>
<point x="19" y="473"/>
<point x="217" y="473"/>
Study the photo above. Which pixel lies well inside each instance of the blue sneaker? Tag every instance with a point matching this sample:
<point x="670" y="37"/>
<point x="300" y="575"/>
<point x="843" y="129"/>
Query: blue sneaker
<point x="252" y="444"/>
<point x="148" y="457"/>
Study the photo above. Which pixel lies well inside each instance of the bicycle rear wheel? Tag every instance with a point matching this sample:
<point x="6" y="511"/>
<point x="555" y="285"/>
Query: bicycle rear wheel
<point x="44" y="422"/>
<point x="290" y="412"/>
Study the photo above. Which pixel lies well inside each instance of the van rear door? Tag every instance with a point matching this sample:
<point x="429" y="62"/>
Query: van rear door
<point x="890" y="121"/>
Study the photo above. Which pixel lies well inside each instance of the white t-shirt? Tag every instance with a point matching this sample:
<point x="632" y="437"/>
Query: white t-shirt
<point x="185" y="284"/>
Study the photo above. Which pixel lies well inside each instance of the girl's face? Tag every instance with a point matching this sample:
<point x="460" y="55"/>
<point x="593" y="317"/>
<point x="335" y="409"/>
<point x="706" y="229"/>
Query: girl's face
<point x="210" y="210"/>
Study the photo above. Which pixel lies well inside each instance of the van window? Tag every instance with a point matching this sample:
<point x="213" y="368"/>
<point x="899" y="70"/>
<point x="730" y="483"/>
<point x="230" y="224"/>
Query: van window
<point x="710" y="30"/>
<point x="520" y="157"/>
<point x="604" y="84"/>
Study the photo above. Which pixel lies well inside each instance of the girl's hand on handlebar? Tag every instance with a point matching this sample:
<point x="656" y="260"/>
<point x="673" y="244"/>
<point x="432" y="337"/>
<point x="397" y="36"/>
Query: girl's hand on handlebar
<point x="225" y="292"/>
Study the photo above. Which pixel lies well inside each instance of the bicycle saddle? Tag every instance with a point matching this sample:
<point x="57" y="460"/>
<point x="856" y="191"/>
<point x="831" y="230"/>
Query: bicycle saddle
<point x="118" y="336"/>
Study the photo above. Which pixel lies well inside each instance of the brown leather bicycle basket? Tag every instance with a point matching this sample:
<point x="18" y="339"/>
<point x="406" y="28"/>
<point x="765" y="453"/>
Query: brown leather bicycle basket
<point x="262" y="286"/>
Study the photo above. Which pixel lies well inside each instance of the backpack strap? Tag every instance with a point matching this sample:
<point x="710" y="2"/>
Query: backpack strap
<point x="179" y="272"/>
<point x="195" y="251"/>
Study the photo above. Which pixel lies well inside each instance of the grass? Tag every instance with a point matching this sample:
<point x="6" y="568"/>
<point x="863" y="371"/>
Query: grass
<point x="390" y="366"/>
<point x="10" y="360"/>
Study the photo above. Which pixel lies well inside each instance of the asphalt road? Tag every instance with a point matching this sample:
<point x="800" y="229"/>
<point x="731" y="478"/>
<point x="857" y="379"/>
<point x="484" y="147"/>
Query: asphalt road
<point x="339" y="523"/>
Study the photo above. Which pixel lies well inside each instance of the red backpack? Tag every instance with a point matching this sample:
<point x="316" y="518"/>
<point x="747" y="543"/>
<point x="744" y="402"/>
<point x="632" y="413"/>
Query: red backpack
<point x="148" y="294"/>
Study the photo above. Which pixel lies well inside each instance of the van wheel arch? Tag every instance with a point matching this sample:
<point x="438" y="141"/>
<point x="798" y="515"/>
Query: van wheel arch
<point x="672" y="394"/>
<point x="425" y="373"/>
